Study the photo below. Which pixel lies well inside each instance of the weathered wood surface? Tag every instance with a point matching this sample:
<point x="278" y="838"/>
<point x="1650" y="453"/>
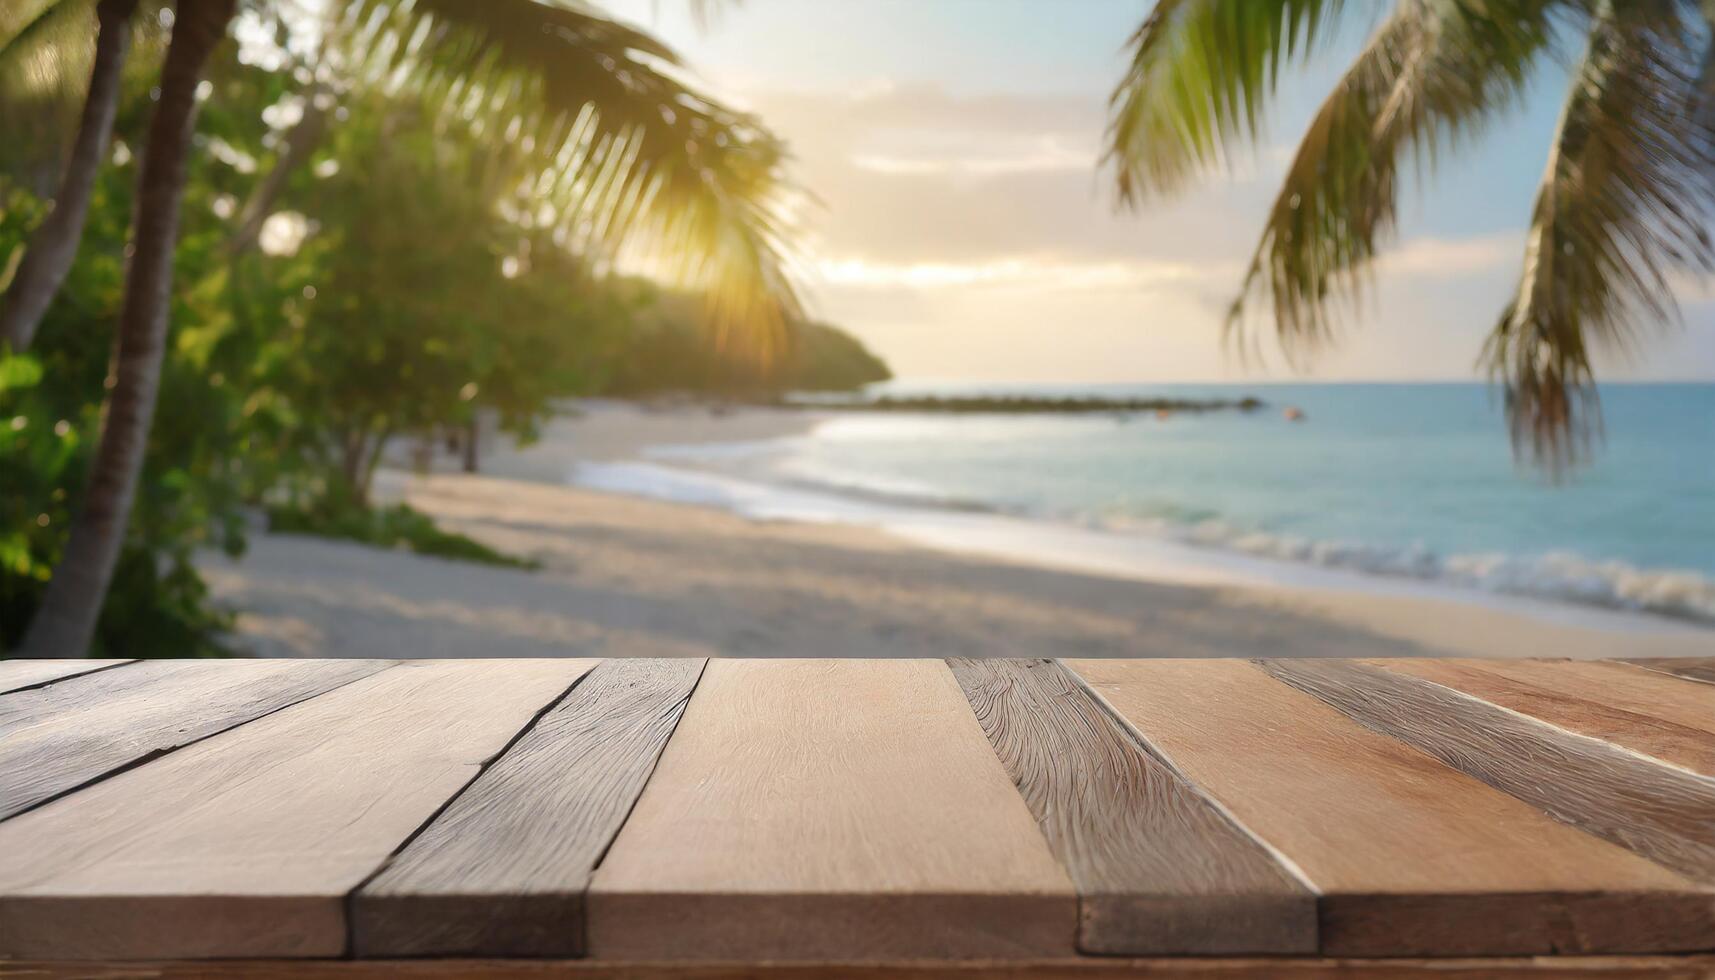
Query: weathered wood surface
<point x="1411" y="857"/>
<point x="1658" y="811"/>
<point x="17" y="674"/>
<point x="1690" y="668"/>
<point x="246" y="844"/>
<point x="1645" y="711"/>
<point x="1165" y="968"/>
<point x="1158" y="869"/>
<point x="829" y="809"/>
<point x="58" y="737"/>
<point x="504" y="869"/>
<point x="862" y="816"/>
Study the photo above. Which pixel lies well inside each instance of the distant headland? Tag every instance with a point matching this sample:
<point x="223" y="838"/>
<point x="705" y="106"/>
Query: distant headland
<point x="1019" y="404"/>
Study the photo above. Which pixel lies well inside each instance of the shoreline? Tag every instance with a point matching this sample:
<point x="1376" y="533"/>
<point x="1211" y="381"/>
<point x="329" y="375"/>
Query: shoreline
<point x="628" y="576"/>
<point x="629" y="457"/>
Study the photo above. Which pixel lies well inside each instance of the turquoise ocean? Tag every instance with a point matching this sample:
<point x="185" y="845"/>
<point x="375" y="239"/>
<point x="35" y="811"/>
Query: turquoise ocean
<point x="1380" y="483"/>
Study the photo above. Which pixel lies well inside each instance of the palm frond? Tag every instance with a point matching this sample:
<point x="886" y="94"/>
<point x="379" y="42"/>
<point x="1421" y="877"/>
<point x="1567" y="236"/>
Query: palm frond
<point x="1200" y="74"/>
<point x="1432" y="75"/>
<point x="633" y="156"/>
<point x="1625" y="202"/>
<point x="46" y="48"/>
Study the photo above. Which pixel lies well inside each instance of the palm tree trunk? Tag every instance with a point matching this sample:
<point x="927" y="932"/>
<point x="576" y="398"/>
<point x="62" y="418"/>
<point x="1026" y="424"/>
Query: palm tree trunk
<point x="472" y="431"/>
<point x="53" y="246"/>
<point x="65" y="623"/>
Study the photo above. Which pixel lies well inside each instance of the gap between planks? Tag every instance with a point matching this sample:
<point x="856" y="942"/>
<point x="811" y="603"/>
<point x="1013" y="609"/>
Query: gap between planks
<point x="1159" y="868"/>
<point x="504" y="867"/>
<point x="247" y="844"/>
<point x="1657" y="811"/>
<point x="1411" y="856"/>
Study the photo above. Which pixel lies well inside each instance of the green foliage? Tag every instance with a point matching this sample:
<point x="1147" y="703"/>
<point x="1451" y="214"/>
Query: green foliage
<point x="393" y="527"/>
<point x="669" y="350"/>
<point x="49" y="413"/>
<point x="412" y="304"/>
<point x="435" y="278"/>
<point x="632" y="157"/>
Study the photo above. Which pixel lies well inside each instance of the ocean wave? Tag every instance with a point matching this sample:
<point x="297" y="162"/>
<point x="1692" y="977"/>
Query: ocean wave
<point x="1558" y="575"/>
<point x="791" y="493"/>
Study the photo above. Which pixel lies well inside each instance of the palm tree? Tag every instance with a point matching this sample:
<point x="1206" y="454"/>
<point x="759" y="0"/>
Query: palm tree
<point x="1624" y="203"/>
<point x="53" y="245"/>
<point x="65" y="621"/>
<point x="641" y="159"/>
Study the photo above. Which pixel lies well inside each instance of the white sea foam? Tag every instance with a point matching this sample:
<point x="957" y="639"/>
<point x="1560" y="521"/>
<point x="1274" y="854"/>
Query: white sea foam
<point x="1203" y="552"/>
<point x="1560" y="575"/>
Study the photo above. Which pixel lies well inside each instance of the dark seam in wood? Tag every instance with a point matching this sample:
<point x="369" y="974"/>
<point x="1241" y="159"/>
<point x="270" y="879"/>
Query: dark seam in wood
<point x="680" y="705"/>
<point x="1603" y="768"/>
<point x="1690" y="669"/>
<point x="349" y="911"/>
<point x="154" y="754"/>
<point x="1161" y="756"/>
<point x="66" y="677"/>
<point x="1276" y="907"/>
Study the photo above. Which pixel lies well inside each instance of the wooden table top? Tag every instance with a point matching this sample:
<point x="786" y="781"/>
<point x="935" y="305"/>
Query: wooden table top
<point x="857" y="811"/>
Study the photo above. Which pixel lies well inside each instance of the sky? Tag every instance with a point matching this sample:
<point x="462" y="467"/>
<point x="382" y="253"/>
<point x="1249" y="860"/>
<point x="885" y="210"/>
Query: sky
<point x="965" y="230"/>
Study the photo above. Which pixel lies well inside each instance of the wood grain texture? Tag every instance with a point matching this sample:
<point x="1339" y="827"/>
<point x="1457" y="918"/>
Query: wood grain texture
<point x="504" y="869"/>
<point x="1690" y="668"/>
<point x="1177" y="968"/>
<point x="15" y="674"/>
<point x="829" y="809"/>
<point x="1158" y="869"/>
<point x="247" y="843"/>
<point x="56" y="738"/>
<point x="1644" y="711"/>
<point x="1411" y="857"/>
<point x="1658" y="811"/>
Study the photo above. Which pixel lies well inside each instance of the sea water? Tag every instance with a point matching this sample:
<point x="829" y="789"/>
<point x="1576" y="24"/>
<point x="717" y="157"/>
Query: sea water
<point x="1382" y="482"/>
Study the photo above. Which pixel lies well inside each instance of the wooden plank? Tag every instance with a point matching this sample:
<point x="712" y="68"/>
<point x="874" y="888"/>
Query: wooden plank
<point x="1658" y="811"/>
<point x="829" y="809"/>
<point x="1690" y="668"/>
<point x="54" y="739"/>
<point x="16" y="674"/>
<point x="247" y="844"/>
<point x="1412" y="857"/>
<point x="1646" y="712"/>
<point x="1176" y="968"/>
<point x="504" y="869"/>
<point x="1158" y="869"/>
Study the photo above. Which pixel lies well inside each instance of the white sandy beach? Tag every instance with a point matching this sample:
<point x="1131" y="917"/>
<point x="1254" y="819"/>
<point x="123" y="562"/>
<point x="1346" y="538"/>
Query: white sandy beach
<point x="623" y="576"/>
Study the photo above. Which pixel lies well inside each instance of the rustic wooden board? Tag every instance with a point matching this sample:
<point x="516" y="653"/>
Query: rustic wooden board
<point x="1176" y="968"/>
<point x="1658" y="811"/>
<point x="504" y="869"/>
<point x="1647" y="712"/>
<point x="829" y="809"/>
<point x="1158" y="869"/>
<point x="246" y="844"/>
<point x="16" y="674"/>
<point x="1411" y="857"/>
<point x="1690" y="668"/>
<point x="56" y="738"/>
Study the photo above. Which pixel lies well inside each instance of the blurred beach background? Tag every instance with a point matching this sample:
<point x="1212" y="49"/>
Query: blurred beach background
<point x="1390" y="521"/>
<point x="855" y="328"/>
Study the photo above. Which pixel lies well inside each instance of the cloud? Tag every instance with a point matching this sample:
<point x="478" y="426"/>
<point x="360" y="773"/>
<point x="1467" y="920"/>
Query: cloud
<point x="1023" y="272"/>
<point x="1453" y="257"/>
<point x="1048" y="156"/>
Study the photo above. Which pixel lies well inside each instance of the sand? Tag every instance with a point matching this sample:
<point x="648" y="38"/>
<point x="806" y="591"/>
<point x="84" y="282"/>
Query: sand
<point x="628" y="577"/>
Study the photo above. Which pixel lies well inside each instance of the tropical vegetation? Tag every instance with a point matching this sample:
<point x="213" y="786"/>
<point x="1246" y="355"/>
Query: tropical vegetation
<point x="1625" y="199"/>
<point x="408" y="222"/>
